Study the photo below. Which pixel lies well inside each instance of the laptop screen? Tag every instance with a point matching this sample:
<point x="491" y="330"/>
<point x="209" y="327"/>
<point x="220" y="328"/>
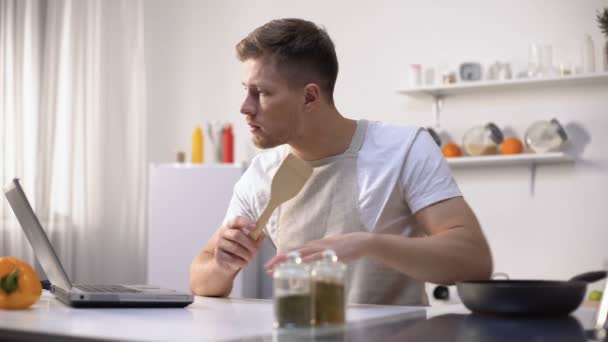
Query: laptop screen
<point x="35" y="234"/>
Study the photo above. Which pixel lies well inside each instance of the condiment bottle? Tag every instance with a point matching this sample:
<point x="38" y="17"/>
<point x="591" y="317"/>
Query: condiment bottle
<point x="482" y="140"/>
<point x="292" y="298"/>
<point x="198" y="146"/>
<point x="215" y="134"/>
<point x="329" y="301"/>
<point x="588" y="55"/>
<point x="180" y="157"/>
<point x="228" y="145"/>
<point x="415" y="75"/>
<point x="545" y="136"/>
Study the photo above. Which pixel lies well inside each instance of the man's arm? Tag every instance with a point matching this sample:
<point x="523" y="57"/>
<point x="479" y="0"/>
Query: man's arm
<point x="454" y="249"/>
<point x="230" y="249"/>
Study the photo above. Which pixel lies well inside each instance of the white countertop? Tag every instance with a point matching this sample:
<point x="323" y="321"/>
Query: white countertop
<point x="207" y="319"/>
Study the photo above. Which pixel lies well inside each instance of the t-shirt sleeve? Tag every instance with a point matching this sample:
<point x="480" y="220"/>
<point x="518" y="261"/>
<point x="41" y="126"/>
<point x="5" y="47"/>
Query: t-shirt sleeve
<point x="241" y="203"/>
<point x="426" y="177"/>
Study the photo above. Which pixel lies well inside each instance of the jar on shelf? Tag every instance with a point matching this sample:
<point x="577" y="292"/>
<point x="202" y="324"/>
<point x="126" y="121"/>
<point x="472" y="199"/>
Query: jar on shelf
<point x="292" y="293"/>
<point x="482" y="140"/>
<point x="328" y="291"/>
<point x="545" y="136"/>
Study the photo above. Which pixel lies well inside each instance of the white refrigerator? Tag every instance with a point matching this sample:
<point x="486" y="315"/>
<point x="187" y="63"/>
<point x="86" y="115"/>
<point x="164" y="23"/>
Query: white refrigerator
<point x="186" y="205"/>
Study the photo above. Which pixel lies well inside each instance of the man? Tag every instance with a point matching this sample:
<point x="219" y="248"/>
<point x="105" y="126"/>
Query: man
<point x="380" y="196"/>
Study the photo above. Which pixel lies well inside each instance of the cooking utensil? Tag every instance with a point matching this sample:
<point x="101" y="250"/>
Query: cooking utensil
<point x="286" y="184"/>
<point x="526" y="297"/>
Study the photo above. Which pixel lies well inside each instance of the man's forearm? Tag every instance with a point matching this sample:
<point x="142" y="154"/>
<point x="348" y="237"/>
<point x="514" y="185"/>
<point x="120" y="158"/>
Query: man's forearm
<point x="453" y="255"/>
<point x="209" y="279"/>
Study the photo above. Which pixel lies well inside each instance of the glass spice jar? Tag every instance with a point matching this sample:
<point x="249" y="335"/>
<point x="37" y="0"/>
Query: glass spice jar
<point x="328" y="291"/>
<point x="292" y="293"/>
<point x="482" y="140"/>
<point x="545" y="136"/>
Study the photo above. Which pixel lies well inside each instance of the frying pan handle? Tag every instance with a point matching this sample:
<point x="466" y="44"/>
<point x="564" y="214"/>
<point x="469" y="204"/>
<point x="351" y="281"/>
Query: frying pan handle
<point x="590" y="277"/>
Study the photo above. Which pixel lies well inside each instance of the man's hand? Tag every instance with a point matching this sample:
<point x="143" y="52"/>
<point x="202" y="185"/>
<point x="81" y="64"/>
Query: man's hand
<point x="235" y="247"/>
<point x="348" y="247"/>
<point x="231" y="248"/>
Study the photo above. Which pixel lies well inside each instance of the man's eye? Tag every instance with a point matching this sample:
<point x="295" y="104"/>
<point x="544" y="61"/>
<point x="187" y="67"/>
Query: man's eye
<point x="251" y="92"/>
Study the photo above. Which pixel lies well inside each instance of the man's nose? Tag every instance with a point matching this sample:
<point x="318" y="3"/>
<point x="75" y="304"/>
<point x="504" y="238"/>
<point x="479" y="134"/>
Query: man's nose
<point x="248" y="106"/>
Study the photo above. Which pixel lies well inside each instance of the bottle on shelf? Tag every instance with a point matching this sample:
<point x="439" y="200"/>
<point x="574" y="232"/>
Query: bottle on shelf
<point x="180" y="157"/>
<point x="228" y="145"/>
<point x="198" y="146"/>
<point x="588" y="55"/>
<point x="215" y="133"/>
<point x="415" y="75"/>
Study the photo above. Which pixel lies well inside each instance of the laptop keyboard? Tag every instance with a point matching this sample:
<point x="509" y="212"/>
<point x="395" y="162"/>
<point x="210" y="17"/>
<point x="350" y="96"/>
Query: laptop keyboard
<point x="106" y="288"/>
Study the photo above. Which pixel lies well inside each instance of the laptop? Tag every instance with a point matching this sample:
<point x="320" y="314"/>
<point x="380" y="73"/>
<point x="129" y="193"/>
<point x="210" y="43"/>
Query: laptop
<point x="83" y="295"/>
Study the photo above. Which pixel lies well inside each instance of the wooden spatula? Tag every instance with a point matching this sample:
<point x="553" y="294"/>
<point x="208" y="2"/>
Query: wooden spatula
<point x="286" y="184"/>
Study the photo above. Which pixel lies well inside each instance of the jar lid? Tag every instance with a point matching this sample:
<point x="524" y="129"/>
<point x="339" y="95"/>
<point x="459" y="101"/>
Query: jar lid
<point x="294" y="257"/>
<point x="495" y="133"/>
<point x="329" y="255"/>
<point x="560" y="130"/>
<point x="292" y="267"/>
<point x="329" y="267"/>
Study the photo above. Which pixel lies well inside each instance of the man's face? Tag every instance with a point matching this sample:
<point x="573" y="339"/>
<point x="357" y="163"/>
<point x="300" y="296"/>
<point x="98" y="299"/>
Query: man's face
<point x="271" y="107"/>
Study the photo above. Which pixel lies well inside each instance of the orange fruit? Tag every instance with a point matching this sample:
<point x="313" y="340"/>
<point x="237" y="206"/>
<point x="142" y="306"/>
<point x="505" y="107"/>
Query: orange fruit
<point x="451" y="150"/>
<point x="512" y="145"/>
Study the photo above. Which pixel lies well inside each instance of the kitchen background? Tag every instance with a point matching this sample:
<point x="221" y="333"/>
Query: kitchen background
<point x="555" y="230"/>
<point x="135" y="78"/>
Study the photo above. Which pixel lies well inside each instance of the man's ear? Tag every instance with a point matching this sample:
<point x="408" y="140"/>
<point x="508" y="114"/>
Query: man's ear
<point x="312" y="96"/>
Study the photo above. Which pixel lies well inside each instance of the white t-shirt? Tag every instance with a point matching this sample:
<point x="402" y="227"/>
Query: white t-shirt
<point x="400" y="170"/>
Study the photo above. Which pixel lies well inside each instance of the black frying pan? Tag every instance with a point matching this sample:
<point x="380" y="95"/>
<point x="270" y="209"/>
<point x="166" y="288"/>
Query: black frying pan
<point x="526" y="297"/>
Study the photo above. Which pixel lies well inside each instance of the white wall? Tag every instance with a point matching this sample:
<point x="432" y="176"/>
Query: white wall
<point x="561" y="230"/>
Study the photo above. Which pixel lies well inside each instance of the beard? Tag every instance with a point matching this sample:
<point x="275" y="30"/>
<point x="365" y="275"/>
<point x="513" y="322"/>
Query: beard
<point x="264" y="141"/>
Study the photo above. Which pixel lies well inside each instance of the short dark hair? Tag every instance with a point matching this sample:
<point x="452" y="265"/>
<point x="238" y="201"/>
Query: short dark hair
<point x="303" y="51"/>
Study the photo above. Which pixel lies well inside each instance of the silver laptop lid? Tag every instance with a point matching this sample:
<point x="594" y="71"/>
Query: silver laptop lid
<point x="35" y="234"/>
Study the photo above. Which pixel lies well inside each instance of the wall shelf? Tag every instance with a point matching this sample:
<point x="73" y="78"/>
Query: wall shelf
<point x="477" y="86"/>
<point x="440" y="92"/>
<point x="531" y="159"/>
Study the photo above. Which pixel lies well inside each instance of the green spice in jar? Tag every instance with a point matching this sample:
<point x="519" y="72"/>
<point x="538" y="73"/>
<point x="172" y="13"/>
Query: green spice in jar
<point x="293" y="311"/>
<point x="329" y="302"/>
